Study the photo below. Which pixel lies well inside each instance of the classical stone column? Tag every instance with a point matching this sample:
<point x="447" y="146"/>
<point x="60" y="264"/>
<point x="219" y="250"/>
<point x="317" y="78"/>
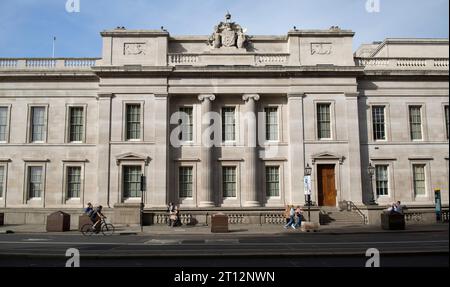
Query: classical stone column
<point x="205" y="191"/>
<point x="250" y="184"/>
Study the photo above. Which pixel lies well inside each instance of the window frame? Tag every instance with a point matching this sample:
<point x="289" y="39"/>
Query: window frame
<point x="30" y="123"/>
<point x="190" y="125"/>
<point x="69" y="108"/>
<point x="236" y="175"/>
<point x="425" y="180"/>
<point x="8" y="123"/>
<point x="191" y="167"/>
<point x="65" y="196"/>
<point x="410" y="124"/>
<point x="224" y="124"/>
<point x="446" y="114"/>
<point x="266" y="124"/>
<point x="123" y="184"/>
<point x="3" y="180"/>
<point x="125" y="105"/>
<point x="374" y="130"/>
<point x="35" y="201"/>
<point x="333" y="132"/>
<point x="266" y="183"/>
<point x="387" y="180"/>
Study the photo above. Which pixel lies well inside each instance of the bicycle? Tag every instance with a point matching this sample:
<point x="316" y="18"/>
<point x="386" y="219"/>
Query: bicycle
<point x="106" y="228"/>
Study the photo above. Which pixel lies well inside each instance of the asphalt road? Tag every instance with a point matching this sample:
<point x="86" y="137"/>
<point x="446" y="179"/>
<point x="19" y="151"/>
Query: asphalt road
<point x="227" y="250"/>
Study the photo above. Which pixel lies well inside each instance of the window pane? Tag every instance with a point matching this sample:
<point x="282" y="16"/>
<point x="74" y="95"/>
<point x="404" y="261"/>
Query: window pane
<point x="185" y="182"/>
<point x="229" y="181"/>
<point x="2" y="180"/>
<point x="37" y="124"/>
<point x="419" y="179"/>
<point x="133" y="122"/>
<point x="271" y="123"/>
<point x="272" y="181"/>
<point x="378" y="119"/>
<point x="73" y="182"/>
<point x="415" y="120"/>
<point x="382" y="184"/>
<point x="228" y="124"/>
<point x="132" y="181"/>
<point x="447" y="121"/>
<point x="3" y="123"/>
<point x="76" y="124"/>
<point x="34" y="182"/>
<point x="186" y="124"/>
<point x="323" y="121"/>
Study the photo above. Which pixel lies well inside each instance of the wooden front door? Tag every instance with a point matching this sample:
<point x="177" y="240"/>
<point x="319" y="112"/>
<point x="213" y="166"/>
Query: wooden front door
<point x="326" y="185"/>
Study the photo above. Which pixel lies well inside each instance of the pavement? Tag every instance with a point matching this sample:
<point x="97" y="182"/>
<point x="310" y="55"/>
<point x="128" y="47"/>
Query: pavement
<point x="244" y="245"/>
<point x="241" y="229"/>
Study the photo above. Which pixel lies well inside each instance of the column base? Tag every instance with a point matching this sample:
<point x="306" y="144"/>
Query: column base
<point x="206" y="204"/>
<point x="252" y="203"/>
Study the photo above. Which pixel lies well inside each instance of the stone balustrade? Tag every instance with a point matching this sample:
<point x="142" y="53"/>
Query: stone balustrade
<point x="47" y="63"/>
<point x="211" y="59"/>
<point x="403" y="63"/>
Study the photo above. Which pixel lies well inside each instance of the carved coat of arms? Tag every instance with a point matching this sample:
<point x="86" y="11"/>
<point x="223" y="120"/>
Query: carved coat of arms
<point x="228" y="34"/>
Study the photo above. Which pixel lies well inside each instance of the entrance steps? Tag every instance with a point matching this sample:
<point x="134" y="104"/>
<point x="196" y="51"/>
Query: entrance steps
<point x="332" y="216"/>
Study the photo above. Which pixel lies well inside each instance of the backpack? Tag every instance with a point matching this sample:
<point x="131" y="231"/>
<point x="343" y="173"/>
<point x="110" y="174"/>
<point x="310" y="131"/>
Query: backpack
<point x="92" y="213"/>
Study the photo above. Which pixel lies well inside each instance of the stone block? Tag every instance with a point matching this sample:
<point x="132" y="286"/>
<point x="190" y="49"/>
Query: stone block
<point x="392" y="221"/>
<point x="82" y="220"/>
<point x="219" y="223"/>
<point x="309" y="226"/>
<point x="58" y="222"/>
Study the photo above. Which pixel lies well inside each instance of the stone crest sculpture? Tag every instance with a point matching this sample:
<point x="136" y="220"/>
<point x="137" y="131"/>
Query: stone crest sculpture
<point x="228" y="34"/>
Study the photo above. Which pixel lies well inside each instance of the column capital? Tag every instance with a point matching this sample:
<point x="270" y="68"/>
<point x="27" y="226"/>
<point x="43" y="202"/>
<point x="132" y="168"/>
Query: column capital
<point x="296" y="95"/>
<point x="246" y="97"/>
<point x="352" y="95"/>
<point x="105" y="96"/>
<point x="203" y="97"/>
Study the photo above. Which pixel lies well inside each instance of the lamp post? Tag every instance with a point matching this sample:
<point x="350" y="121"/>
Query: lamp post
<point x="307" y="182"/>
<point x="371" y="172"/>
<point x="143" y="187"/>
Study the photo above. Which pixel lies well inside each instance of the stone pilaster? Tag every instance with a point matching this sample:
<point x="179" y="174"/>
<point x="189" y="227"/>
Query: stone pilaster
<point x="103" y="152"/>
<point x="250" y="185"/>
<point x="206" y="191"/>
<point x="161" y="160"/>
<point x="296" y="149"/>
<point x="354" y="148"/>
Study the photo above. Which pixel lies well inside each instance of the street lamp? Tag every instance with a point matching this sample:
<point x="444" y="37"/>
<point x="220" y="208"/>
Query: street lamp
<point x="371" y="172"/>
<point x="307" y="176"/>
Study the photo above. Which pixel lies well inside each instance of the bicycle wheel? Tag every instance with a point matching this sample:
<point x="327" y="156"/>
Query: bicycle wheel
<point x="107" y="229"/>
<point x="87" y="229"/>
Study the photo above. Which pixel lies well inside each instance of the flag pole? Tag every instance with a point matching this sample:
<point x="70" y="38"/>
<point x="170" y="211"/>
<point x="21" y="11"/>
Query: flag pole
<point x="53" y="50"/>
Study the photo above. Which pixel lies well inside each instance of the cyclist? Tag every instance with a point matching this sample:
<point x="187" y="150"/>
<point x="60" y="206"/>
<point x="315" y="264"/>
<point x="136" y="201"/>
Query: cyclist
<point x="97" y="217"/>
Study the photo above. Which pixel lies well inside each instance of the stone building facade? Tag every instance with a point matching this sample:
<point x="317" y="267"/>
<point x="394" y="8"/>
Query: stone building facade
<point x="74" y="131"/>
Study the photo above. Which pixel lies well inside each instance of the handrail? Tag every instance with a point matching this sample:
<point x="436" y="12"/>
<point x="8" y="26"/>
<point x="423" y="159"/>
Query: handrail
<point x="352" y="206"/>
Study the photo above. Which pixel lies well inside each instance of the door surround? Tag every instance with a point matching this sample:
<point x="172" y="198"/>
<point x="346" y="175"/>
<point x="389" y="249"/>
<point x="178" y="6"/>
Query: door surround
<point x="327" y="158"/>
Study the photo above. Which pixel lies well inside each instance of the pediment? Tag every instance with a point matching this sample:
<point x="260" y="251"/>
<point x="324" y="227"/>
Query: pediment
<point x="131" y="156"/>
<point x="327" y="155"/>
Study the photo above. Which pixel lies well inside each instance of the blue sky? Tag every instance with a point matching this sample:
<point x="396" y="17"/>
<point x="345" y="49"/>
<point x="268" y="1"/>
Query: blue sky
<point x="28" y="26"/>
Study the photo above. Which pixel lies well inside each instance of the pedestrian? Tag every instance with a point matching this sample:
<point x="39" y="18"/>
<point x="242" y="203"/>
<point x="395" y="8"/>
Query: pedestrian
<point x="170" y="211"/>
<point x="286" y="214"/>
<point x="88" y="209"/>
<point x="177" y="216"/>
<point x="299" y="215"/>
<point x="291" y="218"/>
